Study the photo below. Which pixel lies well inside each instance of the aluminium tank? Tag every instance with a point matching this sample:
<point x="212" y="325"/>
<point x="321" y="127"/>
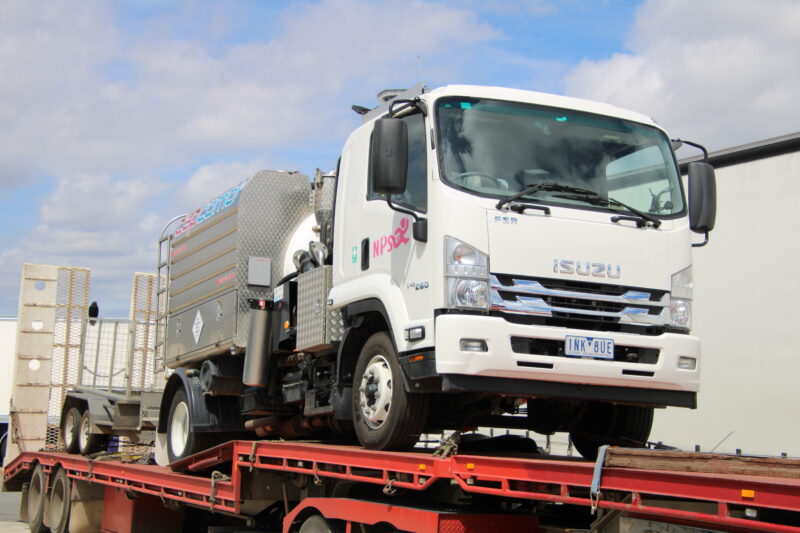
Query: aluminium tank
<point x="223" y="254"/>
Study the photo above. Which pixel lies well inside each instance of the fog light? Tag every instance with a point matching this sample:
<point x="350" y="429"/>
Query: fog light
<point x="474" y="345"/>
<point x="687" y="363"/>
<point x="415" y="333"/>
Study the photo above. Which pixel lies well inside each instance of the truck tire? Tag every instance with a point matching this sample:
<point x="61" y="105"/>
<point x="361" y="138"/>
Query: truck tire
<point x="89" y="443"/>
<point x="37" y="500"/>
<point x="385" y="416"/>
<point x="317" y="524"/>
<point x="60" y="502"/>
<point x="182" y="440"/>
<point x="616" y="425"/>
<point x="70" y="429"/>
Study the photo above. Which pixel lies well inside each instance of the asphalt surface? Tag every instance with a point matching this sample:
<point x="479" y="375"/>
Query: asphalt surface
<point x="9" y="513"/>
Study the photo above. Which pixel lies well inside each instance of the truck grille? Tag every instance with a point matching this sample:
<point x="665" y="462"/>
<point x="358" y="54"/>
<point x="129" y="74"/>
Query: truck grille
<point x="568" y="303"/>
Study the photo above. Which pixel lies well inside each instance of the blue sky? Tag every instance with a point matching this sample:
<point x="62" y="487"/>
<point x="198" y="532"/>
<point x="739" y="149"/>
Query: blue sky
<point x="114" y="116"/>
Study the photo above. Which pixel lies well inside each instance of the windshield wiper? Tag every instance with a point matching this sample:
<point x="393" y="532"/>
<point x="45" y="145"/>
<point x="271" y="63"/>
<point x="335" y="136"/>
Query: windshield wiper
<point x="642" y="219"/>
<point x="543" y="186"/>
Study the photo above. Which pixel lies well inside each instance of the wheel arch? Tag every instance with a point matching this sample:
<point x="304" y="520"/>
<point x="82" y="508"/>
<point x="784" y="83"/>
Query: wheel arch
<point x="179" y="380"/>
<point x="218" y="413"/>
<point x="364" y="319"/>
<point x="73" y="399"/>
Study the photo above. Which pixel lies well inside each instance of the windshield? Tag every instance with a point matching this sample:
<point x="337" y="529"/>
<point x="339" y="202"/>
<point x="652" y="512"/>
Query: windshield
<point x="496" y="149"/>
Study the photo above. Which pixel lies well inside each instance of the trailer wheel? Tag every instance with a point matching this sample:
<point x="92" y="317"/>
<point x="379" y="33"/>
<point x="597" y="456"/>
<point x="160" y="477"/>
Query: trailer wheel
<point x="37" y="499"/>
<point x="617" y="425"/>
<point x="88" y="442"/>
<point x="70" y="429"/>
<point x="385" y="416"/>
<point x="182" y="441"/>
<point x="60" y="496"/>
<point x="317" y="524"/>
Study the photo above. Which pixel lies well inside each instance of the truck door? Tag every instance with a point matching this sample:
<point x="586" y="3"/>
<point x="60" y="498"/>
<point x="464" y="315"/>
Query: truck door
<point x="380" y="258"/>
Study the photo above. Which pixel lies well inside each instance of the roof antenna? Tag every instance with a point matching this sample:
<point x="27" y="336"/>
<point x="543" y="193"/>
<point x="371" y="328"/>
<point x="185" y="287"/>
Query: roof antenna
<point x="419" y="66"/>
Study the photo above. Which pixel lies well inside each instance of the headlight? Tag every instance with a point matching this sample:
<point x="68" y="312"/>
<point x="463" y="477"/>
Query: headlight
<point x="466" y="275"/>
<point x="680" y="311"/>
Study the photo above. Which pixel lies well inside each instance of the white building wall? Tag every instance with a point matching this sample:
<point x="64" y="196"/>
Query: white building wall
<point x="747" y="292"/>
<point x="8" y="344"/>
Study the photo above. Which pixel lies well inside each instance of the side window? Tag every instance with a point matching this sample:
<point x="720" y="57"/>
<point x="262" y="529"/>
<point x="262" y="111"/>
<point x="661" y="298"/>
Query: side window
<point x="416" y="195"/>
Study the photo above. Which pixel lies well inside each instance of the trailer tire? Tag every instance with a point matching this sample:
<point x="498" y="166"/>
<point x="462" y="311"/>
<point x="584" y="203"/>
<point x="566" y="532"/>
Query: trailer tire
<point x="318" y="524"/>
<point x="70" y="429"/>
<point x="60" y="500"/>
<point x="616" y="425"/>
<point x="90" y="443"/>
<point x="385" y="416"/>
<point x="37" y="500"/>
<point x="182" y="440"/>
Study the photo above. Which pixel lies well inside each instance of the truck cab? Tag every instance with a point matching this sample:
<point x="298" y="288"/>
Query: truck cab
<point x="503" y="249"/>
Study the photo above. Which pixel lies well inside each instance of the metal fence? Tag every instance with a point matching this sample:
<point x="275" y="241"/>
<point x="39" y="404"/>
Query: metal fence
<point x="116" y="356"/>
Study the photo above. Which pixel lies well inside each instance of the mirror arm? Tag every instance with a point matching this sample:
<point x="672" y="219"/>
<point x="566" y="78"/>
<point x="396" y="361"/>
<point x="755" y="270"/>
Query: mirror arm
<point x="701" y="244"/>
<point x="696" y="145"/>
<point x="416" y="103"/>
<point x="420" y="224"/>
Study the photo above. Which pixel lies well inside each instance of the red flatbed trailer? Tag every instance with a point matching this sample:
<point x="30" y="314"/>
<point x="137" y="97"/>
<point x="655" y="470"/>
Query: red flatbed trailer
<point x="404" y="489"/>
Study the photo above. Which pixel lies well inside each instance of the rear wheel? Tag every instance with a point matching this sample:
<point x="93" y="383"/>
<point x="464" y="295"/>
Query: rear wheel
<point x="90" y="443"/>
<point x="37" y="499"/>
<point x="385" y="416"/>
<point x="182" y="440"/>
<point x="60" y="496"/>
<point x="616" y="425"/>
<point x="70" y="429"/>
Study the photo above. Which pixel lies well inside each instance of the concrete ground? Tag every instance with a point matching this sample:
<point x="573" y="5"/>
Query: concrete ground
<point x="9" y="513"/>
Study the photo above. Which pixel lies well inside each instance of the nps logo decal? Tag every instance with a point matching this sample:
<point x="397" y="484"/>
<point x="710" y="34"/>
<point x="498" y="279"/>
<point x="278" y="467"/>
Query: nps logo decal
<point x="388" y="243"/>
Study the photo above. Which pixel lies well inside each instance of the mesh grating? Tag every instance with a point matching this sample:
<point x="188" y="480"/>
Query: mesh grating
<point x="72" y="294"/>
<point x="146" y="372"/>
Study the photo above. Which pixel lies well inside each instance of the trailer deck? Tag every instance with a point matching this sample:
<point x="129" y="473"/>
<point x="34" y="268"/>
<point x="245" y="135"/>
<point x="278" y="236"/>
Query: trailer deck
<point x="217" y="480"/>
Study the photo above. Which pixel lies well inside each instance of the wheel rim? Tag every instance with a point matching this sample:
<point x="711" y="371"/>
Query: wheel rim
<point x="84" y="433"/>
<point x="375" y="392"/>
<point x="179" y="429"/>
<point x="69" y="428"/>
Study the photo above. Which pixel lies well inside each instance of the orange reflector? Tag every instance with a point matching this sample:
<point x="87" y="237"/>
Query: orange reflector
<point x="747" y="493"/>
<point x="415" y="358"/>
<point x="286" y="325"/>
<point x="470" y="466"/>
<point x="423" y="467"/>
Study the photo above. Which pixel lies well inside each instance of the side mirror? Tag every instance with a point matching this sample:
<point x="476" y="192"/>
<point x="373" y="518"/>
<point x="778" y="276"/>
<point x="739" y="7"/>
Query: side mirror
<point x="388" y="158"/>
<point x="702" y="197"/>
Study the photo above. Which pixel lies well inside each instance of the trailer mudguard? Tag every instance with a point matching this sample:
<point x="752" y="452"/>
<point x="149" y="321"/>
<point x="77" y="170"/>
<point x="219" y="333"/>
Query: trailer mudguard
<point x="209" y="413"/>
<point x="101" y="408"/>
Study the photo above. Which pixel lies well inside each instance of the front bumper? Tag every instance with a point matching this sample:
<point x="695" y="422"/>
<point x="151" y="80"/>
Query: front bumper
<point x="504" y="371"/>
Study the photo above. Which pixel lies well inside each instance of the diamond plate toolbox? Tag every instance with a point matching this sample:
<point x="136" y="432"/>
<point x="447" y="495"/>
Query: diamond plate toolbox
<point x="224" y="253"/>
<point x="318" y="326"/>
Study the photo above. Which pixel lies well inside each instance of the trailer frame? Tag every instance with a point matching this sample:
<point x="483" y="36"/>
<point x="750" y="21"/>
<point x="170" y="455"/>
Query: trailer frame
<point x="558" y="480"/>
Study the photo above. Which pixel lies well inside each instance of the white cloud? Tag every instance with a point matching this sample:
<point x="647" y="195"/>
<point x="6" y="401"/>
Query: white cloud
<point x="179" y="99"/>
<point x="718" y="72"/>
<point x="209" y="181"/>
<point x="101" y="110"/>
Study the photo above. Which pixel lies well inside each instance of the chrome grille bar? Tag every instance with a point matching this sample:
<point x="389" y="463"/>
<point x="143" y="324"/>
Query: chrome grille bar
<point x="639" y="307"/>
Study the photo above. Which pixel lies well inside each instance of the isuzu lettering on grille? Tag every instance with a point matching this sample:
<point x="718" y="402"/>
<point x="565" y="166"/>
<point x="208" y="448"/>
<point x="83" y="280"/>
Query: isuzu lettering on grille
<point x="586" y="268"/>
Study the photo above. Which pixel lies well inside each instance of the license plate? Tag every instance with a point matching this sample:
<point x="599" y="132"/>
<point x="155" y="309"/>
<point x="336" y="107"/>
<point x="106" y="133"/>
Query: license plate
<point x="589" y="347"/>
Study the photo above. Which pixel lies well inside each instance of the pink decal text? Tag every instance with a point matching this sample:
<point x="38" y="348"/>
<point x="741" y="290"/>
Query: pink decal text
<point x="388" y="243"/>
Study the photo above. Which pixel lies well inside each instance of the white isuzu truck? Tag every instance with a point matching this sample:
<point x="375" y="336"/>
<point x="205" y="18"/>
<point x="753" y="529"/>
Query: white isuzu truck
<point x="478" y="253"/>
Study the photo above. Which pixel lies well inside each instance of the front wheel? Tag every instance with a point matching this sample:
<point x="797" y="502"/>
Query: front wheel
<point x="616" y="425"/>
<point x="385" y="416"/>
